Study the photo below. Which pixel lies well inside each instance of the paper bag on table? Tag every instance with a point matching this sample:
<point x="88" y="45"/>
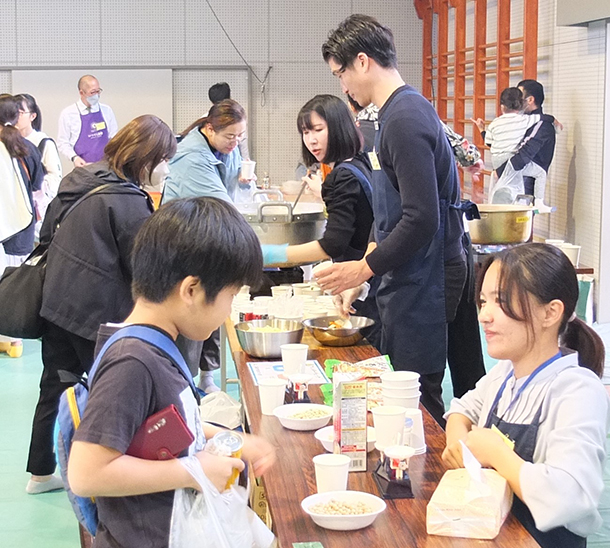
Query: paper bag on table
<point x="464" y="507"/>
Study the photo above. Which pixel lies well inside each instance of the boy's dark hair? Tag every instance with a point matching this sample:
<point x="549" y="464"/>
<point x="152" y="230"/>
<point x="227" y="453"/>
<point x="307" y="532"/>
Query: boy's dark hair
<point x="219" y="92"/>
<point x="203" y="237"/>
<point x="360" y="34"/>
<point x="534" y="89"/>
<point x="512" y="99"/>
<point x="344" y="139"/>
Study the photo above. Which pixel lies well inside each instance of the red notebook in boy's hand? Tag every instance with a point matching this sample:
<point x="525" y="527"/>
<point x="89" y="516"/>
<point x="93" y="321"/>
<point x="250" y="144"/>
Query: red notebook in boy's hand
<point x="163" y="436"/>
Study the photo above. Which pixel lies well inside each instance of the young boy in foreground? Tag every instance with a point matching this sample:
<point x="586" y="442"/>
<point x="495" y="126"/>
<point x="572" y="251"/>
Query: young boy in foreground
<point x="189" y="260"/>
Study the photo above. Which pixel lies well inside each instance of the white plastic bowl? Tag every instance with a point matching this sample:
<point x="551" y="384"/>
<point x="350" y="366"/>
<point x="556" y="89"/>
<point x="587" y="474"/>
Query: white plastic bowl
<point x="285" y="412"/>
<point x="326" y="437"/>
<point x="349" y="522"/>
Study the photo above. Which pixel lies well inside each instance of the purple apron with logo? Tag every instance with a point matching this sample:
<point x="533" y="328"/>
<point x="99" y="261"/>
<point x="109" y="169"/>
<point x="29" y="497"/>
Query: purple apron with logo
<point x="93" y="137"/>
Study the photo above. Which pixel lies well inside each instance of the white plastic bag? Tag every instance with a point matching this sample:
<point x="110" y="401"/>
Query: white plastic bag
<point x="210" y="518"/>
<point x="506" y="189"/>
<point x="220" y="408"/>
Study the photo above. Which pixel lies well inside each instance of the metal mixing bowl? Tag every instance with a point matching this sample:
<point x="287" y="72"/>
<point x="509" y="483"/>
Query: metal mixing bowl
<point x="319" y="328"/>
<point x="267" y="345"/>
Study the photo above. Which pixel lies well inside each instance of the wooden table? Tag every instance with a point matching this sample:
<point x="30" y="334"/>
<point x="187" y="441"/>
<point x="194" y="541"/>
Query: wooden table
<point x="403" y="524"/>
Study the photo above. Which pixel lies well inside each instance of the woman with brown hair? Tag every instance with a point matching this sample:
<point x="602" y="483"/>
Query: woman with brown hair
<point x="207" y="162"/>
<point x="88" y="274"/>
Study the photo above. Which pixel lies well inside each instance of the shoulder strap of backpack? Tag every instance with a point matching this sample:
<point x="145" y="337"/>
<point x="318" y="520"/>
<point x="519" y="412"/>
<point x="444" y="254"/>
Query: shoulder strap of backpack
<point x="43" y="144"/>
<point x="155" y="338"/>
<point x="362" y="178"/>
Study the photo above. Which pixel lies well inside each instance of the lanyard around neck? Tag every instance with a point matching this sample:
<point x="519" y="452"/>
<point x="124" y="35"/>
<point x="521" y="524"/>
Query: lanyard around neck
<point x="523" y="386"/>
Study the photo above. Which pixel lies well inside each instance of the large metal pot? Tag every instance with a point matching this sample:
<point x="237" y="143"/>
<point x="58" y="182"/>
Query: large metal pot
<point x="275" y="222"/>
<point x="502" y="224"/>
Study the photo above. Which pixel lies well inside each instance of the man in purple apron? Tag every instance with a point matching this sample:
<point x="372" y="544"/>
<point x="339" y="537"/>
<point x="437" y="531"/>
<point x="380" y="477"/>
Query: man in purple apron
<point x="417" y="249"/>
<point x="86" y="126"/>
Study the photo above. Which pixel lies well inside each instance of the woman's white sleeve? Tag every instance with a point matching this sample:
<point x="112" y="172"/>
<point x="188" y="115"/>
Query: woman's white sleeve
<point x="471" y="403"/>
<point x="52" y="165"/>
<point x="564" y="488"/>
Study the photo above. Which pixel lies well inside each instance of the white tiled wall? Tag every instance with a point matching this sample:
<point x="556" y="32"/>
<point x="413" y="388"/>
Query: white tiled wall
<point x="573" y="73"/>
<point x="185" y="34"/>
<point x="571" y="66"/>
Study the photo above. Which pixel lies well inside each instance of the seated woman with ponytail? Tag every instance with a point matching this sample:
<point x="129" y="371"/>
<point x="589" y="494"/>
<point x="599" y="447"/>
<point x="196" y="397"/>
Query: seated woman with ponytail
<point x="545" y="395"/>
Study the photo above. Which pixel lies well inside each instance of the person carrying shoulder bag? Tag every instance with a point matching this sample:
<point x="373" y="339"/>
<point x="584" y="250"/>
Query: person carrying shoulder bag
<point x="88" y="273"/>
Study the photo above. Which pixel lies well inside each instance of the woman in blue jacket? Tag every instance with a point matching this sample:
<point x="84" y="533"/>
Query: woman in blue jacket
<point x="207" y="162"/>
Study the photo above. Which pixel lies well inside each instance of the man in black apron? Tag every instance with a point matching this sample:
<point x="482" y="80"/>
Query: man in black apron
<point x="417" y="249"/>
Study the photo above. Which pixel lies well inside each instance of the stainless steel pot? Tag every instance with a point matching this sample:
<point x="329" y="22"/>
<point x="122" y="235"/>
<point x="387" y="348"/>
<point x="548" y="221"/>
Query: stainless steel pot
<point x="276" y="222"/>
<point x="501" y="224"/>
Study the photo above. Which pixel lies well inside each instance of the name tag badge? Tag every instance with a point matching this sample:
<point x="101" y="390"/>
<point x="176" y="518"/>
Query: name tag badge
<point x="374" y="161"/>
<point x="510" y="443"/>
<point x="99" y="126"/>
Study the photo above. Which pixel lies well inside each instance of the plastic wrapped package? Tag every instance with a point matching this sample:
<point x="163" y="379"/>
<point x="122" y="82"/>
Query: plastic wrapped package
<point x="463" y="507"/>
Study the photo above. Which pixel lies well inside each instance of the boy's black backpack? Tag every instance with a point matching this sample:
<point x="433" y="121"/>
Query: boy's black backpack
<point x="74" y="400"/>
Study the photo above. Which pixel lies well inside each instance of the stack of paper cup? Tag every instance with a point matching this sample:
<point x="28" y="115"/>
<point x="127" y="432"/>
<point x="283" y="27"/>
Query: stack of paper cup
<point x="389" y="425"/>
<point x="401" y="388"/>
<point x="418" y="441"/>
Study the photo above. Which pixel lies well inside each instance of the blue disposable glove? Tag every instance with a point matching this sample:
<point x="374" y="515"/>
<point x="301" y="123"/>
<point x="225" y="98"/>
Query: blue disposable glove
<point x="274" y="253"/>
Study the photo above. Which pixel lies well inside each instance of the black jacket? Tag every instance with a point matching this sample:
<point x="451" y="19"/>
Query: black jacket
<point x="88" y="276"/>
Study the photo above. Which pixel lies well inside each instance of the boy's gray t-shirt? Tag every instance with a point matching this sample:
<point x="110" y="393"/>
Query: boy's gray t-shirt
<point x="134" y="380"/>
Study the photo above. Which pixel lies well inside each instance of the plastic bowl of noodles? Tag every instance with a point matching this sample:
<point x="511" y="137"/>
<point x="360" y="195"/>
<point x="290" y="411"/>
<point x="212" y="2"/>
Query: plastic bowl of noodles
<point x="303" y="416"/>
<point x="343" y="510"/>
<point x="338" y="331"/>
<point x="263" y="338"/>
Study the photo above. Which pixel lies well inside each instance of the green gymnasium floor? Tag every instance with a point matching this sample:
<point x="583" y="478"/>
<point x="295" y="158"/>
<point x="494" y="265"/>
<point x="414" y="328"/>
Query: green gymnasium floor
<point x="46" y="520"/>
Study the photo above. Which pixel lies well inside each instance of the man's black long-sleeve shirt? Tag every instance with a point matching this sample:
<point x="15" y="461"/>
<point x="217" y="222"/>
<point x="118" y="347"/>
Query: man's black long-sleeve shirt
<point x="538" y="144"/>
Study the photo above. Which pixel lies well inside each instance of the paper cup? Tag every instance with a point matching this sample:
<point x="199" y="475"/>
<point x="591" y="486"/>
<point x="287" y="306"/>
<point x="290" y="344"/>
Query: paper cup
<point x="393" y="392"/>
<point x="300" y="288"/>
<point x="247" y="169"/>
<point x="281" y="291"/>
<point x="271" y="393"/>
<point x="294" y="356"/>
<point x="556" y="243"/>
<point x="389" y="424"/>
<point x="418" y="441"/>
<point x="572" y="251"/>
<point x="400" y="379"/>
<point x="409" y="403"/>
<point x="331" y="472"/>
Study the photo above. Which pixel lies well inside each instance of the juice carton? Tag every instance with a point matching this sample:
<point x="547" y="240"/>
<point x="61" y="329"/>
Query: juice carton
<point x="349" y="419"/>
